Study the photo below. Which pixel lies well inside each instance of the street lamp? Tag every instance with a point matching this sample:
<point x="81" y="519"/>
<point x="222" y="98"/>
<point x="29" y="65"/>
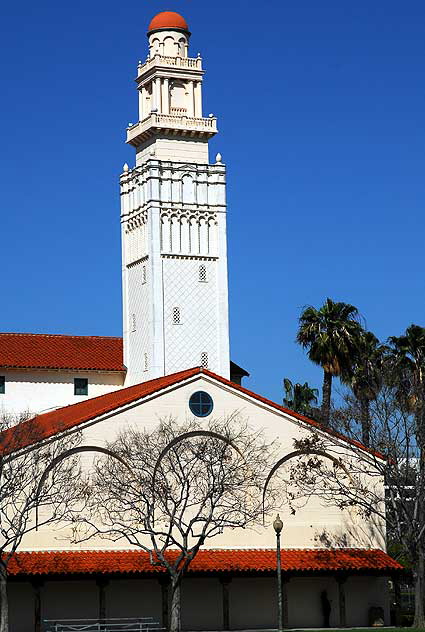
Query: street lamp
<point x="278" y="526"/>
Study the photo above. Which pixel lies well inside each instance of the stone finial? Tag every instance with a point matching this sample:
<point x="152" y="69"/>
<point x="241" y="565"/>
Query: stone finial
<point x="125" y="167"/>
<point x="218" y="159"/>
<point x="210" y="115"/>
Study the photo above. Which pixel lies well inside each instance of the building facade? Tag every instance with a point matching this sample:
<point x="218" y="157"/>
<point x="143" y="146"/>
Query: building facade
<point x="176" y="344"/>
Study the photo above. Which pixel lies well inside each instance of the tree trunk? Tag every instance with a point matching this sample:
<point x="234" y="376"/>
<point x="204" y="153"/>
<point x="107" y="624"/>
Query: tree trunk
<point x="4" y="606"/>
<point x="326" y="397"/>
<point x="365" y="420"/>
<point x="419" y="575"/>
<point x="175" y="618"/>
<point x="419" y="570"/>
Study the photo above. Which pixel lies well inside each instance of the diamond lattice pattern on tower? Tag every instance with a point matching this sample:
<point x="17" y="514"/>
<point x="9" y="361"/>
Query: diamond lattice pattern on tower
<point x="197" y="331"/>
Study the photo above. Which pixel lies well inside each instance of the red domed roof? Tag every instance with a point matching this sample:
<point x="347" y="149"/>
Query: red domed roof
<point x="168" y="20"/>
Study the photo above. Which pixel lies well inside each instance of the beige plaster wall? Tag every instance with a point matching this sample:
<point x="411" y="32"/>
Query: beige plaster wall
<point x="300" y="530"/>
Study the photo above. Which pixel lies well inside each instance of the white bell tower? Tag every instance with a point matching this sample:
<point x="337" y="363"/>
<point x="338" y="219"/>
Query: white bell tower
<point x="173" y="216"/>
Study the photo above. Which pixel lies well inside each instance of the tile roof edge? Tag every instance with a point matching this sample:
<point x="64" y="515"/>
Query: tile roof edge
<point x="292" y="413"/>
<point x="23" y="333"/>
<point x="186" y="374"/>
<point x="179" y="376"/>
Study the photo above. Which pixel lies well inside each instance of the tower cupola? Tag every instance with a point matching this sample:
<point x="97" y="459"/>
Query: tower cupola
<point x="169" y="83"/>
<point x="168" y="35"/>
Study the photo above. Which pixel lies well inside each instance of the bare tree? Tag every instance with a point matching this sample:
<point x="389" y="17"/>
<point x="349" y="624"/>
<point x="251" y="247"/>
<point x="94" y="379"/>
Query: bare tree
<point x="180" y="486"/>
<point x="20" y="497"/>
<point x="389" y="489"/>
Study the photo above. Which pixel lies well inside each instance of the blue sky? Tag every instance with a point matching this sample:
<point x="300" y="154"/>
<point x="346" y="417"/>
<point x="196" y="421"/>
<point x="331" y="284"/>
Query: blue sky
<point x="320" y="109"/>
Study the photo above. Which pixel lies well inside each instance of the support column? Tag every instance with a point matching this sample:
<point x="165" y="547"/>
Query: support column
<point x="165" y="589"/>
<point x="285" y="614"/>
<point x="157" y="94"/>
<point x="397" y="599"/>
<point x="198" y="99"/>
<point x="37" y="585"/>
<point x="341" y="600"/>
<point x="225" y="592"/>
<point x="141" y="97"/>
<point x="166" y="96"/>
<point x="191" y="108"/>
<point x="102" y="583"/>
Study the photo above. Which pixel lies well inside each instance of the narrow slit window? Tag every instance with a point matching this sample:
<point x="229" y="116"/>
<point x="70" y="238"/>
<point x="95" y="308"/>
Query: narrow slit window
<point x="2" y="385"/>
<point x="144" y="274"/>
<point x="133" y="322"/>
<point x="81" y="386"/>
<point x="176" y="316"/>
<point x="145" y="361"/>
<point x="202" y="274"/>
<point x="204" y="360"/>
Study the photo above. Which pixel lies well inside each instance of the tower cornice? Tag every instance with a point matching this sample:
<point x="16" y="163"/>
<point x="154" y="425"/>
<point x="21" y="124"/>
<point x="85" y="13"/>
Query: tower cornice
<point x="171" y="125"/>
<point x="193" y="64"/>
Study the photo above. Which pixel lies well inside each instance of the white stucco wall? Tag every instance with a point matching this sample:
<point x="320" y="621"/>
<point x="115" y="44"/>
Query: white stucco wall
<point x="174" y="221"/>
<point x="182" y="150"/>
<point x="39" y="391"/>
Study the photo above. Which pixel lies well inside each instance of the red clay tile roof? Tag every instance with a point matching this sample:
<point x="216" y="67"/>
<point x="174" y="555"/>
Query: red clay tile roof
<point x="48" y="424"/>
<point x="206" y="561"/>
<point x="54" y="351"/>
<point x="99" y="353"/>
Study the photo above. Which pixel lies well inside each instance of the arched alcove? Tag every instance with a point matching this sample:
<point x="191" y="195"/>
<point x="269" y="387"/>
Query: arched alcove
<point x="178" y="100"/>
<point x="203" y="236"/>
<point x="185" y="236"/>
<point x="175" y="234"/>
<point x="194" y="236"/>
<point x="188" y="186"/>
<point x="165" y="234"/>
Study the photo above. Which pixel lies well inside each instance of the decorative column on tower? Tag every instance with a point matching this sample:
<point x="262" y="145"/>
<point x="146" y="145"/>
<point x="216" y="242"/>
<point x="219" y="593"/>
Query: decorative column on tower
<point x="173" y="215"/>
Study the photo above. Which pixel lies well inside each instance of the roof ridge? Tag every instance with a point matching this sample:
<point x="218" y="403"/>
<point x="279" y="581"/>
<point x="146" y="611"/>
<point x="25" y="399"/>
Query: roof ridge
<point x="43" y="425"/>
<point x="51" y="423"/>
<point x="118" y="391"/>
<point x="293" y="413"/>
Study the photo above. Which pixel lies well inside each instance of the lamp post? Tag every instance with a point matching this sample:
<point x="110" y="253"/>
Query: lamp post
<point x="278" y="526"/>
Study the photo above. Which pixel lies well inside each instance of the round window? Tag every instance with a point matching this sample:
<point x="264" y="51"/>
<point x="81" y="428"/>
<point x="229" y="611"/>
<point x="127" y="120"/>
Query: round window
<point x="201" y="404"/>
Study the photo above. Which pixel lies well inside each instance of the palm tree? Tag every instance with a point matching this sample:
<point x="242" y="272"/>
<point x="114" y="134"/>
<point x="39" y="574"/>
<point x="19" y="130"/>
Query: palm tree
<point x="364" y="377"/>
<point x="331" y="335"/>
<point x="407" y="356"/>
<point x="299" y="397"/>
<point x="407" y="360"/>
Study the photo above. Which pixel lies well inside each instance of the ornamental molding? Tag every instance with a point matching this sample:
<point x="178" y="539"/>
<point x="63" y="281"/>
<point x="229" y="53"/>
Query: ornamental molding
<point x="181" y="213"/>
<point x="143" y="259"/>
<point x="167" y="255"/>
<point x="163" y="167"/>
<point x="132" y="222"/>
